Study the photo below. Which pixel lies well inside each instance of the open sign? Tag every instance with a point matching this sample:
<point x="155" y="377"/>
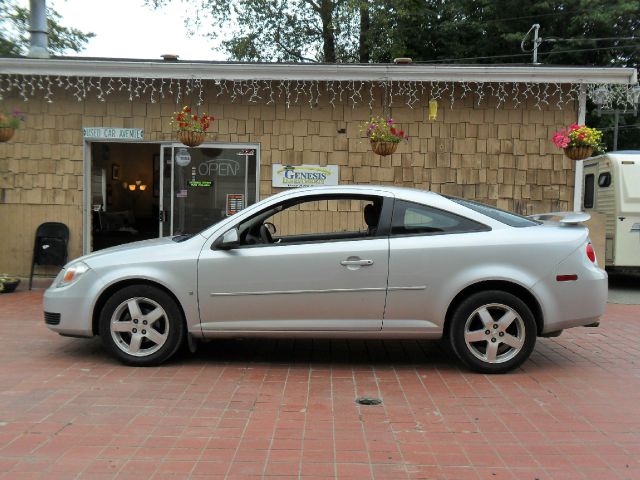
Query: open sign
<point x="219" y="167"/>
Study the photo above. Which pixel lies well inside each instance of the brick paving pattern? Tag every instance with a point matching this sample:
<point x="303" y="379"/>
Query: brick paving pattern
<point x="267" y="408"/>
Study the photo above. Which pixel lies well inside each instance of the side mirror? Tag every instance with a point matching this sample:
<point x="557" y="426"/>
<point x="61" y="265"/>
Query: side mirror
<point x="228" y="240"/>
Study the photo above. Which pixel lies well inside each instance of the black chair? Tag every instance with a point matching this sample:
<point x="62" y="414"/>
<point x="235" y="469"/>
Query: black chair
<point x="50" y="246"/>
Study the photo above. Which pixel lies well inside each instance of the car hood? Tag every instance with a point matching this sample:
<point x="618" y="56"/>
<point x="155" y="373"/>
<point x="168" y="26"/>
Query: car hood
<point x="130" y="252"/>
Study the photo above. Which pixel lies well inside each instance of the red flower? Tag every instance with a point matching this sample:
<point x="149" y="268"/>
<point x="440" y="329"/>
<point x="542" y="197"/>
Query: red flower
<point x="401" y="134"/>
<point x="573" y="127"/>
<point x="393" y="131"/>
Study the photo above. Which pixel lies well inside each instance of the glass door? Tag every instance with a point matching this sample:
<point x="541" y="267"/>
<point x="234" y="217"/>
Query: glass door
<point x="201" y="186"/>
<point x="165" y="206"/>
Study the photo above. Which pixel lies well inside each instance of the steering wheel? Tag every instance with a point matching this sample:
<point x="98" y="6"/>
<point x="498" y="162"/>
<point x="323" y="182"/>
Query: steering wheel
<point x="266" y="229"/>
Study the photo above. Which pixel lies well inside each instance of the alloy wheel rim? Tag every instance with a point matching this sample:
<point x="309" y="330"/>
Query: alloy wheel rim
<point x="494" y="333"/>
<point x="139" y="326"/>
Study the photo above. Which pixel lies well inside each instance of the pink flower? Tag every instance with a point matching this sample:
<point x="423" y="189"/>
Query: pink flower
<point x="573" y="127"/>
<point x="390" y="121"/>
<point x="561" y="139"/>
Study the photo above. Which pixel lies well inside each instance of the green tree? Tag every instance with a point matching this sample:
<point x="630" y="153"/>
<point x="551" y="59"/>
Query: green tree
<point x="14" y="32"/>
<point x="583" y="32"/>
<point x="279" y="30"/>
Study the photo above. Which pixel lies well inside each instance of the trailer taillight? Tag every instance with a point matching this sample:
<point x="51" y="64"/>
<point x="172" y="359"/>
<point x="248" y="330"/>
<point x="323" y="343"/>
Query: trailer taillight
<point x="591" y="252"/>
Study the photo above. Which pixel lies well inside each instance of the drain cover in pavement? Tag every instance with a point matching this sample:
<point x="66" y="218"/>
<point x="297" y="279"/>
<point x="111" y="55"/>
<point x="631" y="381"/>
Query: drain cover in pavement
<point x="368" y="401"/>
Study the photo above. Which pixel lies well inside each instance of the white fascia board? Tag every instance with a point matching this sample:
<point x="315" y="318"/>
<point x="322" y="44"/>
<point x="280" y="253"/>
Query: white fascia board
<point x="321" y="72"/>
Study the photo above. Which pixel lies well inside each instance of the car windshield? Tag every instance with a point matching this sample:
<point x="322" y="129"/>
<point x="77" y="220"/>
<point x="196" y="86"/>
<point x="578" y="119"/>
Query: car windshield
<point x="508" y="218"/>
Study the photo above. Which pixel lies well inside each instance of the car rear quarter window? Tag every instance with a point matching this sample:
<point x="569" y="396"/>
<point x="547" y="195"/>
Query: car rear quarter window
<point x="415" y="219"/>
<point x="508" y="218"/>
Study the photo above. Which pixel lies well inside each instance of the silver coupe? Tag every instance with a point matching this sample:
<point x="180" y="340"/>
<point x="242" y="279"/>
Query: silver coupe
<point x="341" y="262"/>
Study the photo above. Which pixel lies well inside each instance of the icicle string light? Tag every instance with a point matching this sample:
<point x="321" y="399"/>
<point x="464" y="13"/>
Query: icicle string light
<point x="354" y="93"/>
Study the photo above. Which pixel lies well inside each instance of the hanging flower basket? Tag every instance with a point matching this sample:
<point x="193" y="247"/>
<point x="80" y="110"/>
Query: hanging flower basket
<point x="191" y="127"/>
<point x="9" y="123"/>
<point x="578" y="153"/>
<point x="579" y="141"/>
<point x="191" y="139"/>
<point x="383" y="148"/>
<point x="6" y="133"/>
<point x="383" y="135"/>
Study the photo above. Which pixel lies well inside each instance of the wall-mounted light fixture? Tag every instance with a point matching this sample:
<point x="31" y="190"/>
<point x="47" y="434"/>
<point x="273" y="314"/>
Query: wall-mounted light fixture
<point x="138" y="185"/>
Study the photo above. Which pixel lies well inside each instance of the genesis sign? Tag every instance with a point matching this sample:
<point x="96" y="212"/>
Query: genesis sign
<point x="304" y="175"/>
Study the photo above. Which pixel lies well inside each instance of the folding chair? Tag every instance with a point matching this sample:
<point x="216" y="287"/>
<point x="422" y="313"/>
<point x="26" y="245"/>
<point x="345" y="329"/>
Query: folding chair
<point x="50" y="246"/>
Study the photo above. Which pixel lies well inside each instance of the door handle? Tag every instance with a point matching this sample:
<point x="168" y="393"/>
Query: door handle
<point x="363" y="263"/>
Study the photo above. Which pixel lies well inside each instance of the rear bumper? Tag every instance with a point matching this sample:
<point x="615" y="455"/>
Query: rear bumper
<point x="573" y="303"/>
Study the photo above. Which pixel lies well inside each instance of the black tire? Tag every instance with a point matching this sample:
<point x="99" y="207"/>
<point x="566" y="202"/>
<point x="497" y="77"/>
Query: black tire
<point x="134" y="342"/>
<point x="508" y="343"/>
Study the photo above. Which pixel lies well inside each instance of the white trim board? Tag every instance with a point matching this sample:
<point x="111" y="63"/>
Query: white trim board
<point x="322" y="72"/>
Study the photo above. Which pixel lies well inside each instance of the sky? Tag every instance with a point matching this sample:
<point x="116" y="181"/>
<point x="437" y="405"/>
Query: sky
<point x="128" y="29"/>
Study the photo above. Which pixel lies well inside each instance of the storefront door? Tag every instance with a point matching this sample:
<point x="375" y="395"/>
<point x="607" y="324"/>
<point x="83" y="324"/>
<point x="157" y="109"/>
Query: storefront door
<point x="201" y="186"/>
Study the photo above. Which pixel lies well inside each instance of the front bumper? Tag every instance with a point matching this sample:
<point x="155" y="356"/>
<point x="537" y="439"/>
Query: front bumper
<point x="68" y="310"/>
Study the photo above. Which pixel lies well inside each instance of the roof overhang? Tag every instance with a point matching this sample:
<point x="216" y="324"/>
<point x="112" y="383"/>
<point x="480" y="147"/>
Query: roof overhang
<point x="318" y="72"/>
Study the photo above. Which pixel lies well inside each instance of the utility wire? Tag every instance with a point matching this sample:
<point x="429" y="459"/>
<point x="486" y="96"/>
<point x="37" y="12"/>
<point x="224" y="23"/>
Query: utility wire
<point x="505" y="19"/>
<point x="557" y="39"/>
<point x="620" y="127"/>
<point x="529" y="54"/>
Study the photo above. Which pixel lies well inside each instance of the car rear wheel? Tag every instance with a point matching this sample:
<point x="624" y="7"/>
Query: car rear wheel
<point x="492" y="332"/>
<point x="141" y="325"/>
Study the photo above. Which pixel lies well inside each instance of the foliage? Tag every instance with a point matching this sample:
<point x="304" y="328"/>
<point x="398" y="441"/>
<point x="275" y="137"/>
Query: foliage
<point x="379" y="129"/>
<point x="278" y="30"/>
<point x="186" y="121"/>
<point x="579" y="136"/>
<point x="426" y="30"/>
<point x="14" y="32"/>
<point x="12" y="120"/>
<point x="463" y="30"/>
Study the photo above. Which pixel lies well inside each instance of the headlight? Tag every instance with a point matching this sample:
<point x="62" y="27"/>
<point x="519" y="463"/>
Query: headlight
<point x="71" y="274"/>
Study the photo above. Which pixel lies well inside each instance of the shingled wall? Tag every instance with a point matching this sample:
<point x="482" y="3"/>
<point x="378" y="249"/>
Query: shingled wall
<point x="500" y="156"/>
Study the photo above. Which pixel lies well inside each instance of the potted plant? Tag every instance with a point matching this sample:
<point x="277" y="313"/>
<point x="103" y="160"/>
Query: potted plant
<point x="191" y="127"/>
<point x="383" y="135"/>
<point x="9" y="123"/>
<point x="8" y="283"/>
<point x="579" y="141"/>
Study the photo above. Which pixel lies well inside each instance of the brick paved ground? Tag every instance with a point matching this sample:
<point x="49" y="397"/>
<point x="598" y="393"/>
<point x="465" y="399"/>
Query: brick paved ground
<point x="256" y="409"/>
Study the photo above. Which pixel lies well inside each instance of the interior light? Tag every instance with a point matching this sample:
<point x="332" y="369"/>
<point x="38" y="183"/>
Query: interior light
<point x="143" y="187"/>
<point x="132" y="187"/>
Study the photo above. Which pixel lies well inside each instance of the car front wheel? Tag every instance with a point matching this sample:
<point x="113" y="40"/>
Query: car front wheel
<point x="141" y="325"/>
<point x="492" y="332"/>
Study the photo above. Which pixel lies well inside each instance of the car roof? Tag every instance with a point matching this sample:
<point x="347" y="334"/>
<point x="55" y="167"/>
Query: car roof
<point x="400" y="192"/>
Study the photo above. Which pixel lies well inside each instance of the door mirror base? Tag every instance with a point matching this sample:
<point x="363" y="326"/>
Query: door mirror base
<point x="228" y="240"/>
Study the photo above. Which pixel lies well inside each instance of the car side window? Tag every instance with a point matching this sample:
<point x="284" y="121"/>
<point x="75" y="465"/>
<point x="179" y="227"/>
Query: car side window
<point x="320" y="218"/>
<point x="415" y="219"/>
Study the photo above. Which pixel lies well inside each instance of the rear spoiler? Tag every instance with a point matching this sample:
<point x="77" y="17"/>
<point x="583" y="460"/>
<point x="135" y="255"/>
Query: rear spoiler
<point x="570" y="218"/>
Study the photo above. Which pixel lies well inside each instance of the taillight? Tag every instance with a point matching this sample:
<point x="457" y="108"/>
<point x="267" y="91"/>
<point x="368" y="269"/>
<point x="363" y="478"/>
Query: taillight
<point x="591" y="252"/>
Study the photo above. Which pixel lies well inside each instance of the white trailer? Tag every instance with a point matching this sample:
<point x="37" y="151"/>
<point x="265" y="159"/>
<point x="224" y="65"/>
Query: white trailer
<point x="612" y="188"/>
